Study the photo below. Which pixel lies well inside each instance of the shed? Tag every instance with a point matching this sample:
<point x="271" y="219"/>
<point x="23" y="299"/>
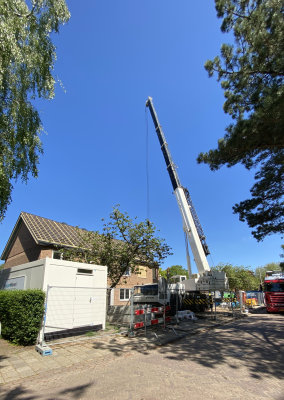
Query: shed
<point x="75" y="293"/>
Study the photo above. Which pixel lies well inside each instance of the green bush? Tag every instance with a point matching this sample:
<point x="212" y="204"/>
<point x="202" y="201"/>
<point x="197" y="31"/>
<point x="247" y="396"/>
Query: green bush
<point x="21" y="313"/>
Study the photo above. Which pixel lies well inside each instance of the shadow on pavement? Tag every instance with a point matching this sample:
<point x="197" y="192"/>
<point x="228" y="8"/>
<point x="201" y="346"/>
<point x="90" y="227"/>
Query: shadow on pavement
<point x="255" y="344"/>
<point x="260" y="310"/>
<point x="75" y="392"/>
<point x="118" y="348"/>
<point x="1" y="359"/>
<point x="20" y="393"/>
<point x="17" y="393"/>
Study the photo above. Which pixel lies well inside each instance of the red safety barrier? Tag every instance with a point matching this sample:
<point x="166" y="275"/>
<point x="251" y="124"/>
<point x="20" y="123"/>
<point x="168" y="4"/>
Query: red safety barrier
<point x="138" y="325"/>
<point x="153" y="310"/>
<point x="157" y="309"/>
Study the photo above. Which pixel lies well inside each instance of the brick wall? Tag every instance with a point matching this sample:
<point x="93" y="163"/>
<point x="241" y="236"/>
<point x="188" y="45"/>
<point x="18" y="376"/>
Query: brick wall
<point x="147" y="276"/>
<point x="24" y="249"/>
<point x="46" y="252"/>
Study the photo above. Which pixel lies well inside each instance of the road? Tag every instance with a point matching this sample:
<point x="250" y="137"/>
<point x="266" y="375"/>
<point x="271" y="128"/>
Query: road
<point x="241" y="360"/>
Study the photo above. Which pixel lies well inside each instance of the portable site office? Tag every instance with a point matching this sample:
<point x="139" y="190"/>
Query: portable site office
<point x="75" y="293"/>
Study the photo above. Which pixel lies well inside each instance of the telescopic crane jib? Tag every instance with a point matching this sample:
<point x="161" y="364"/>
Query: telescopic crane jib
<point x="191" y="223"/>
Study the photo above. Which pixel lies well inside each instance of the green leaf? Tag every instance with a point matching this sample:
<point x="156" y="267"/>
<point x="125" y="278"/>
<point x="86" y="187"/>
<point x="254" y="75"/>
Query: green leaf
<point x="251" y="72"/>
<point x="27" y="61"/>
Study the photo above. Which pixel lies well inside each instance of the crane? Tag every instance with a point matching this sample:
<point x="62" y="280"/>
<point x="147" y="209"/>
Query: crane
<point x="206" y="279"/>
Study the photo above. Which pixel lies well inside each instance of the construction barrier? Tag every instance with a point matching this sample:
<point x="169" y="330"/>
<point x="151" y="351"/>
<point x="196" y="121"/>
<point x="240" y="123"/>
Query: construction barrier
<point x="229" y="300"/>
<point x="151" y="316"/>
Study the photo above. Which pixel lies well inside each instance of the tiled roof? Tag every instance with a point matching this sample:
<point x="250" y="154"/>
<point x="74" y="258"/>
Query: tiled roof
<point x="47" y="231"/>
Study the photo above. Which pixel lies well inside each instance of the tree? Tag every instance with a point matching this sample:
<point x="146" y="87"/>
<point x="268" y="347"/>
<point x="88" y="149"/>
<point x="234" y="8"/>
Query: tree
<point x="26" y="64"/>
<point x="260" y="271"/>
<point x="123" y="245"/>
<point x="251" y="74"/>
<point x="239" y="277"/>
<point x="172" y="271"/>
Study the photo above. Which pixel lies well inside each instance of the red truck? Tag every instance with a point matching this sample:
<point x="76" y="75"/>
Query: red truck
<point x="274" y="291"/>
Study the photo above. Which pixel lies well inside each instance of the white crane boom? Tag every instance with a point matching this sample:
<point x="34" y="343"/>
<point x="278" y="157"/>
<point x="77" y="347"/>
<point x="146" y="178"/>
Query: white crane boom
<point x="191" y="224"/>
<point x="191" y="232"/>
<point x="207" y="279"/>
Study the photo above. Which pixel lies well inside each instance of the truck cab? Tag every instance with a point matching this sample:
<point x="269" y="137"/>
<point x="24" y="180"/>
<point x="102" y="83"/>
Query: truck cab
<point x="154" y="294"/>
<point x="274" y="291"/>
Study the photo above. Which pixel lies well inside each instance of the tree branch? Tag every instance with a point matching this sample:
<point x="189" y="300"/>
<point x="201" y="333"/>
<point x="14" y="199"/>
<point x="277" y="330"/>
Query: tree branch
<point x="273" y="73"/>
<point x="25" y="15"/>
<point x="240" y="16"/>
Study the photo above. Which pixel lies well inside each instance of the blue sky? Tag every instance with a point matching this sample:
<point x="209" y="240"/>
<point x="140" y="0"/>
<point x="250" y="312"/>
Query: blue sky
<point x="111" y="56"/>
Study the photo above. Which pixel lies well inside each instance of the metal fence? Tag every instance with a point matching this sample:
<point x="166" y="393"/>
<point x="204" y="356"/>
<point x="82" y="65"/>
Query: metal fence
<point x="254" y="298"/>
<point x="173" y="306"/>
<point x="125" y="312"/>
<point x="72" y="311"/>
<point x="79" y="312"/>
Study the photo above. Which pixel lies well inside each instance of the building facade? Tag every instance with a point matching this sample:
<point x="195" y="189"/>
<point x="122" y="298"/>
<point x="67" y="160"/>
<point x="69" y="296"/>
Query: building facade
<point x="34" y="238"/>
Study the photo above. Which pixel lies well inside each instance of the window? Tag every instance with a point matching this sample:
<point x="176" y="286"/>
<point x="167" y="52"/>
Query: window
<point x="154" y="274"/>
<point x="84" y="271"/>
<point x="127" y="272"/>
<point x="143" y="272"/>
<point x="147" y="290"/>
<point x="274" y="287"/>
<point x="124" y="294"/>
<point x="57" y="255"/>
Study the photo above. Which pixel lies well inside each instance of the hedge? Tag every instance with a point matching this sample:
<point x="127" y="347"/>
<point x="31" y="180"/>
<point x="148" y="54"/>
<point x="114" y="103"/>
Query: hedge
<point x="21" y="313"/>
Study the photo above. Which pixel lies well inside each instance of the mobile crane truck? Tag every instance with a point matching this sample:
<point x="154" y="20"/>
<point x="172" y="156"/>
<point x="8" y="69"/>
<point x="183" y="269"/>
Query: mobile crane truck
<point x="206" y="280"/>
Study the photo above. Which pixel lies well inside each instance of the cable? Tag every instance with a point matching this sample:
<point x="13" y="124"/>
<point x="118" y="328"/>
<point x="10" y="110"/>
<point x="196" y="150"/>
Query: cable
<point x="147" y="167"/>
<point x="212" y="261"/>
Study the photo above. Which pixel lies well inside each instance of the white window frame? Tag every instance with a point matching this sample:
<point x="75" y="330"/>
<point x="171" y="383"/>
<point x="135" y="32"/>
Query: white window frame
<point x="124" y="294"/>
<point x="127" y="272"/>
<point x="57" y="251"/>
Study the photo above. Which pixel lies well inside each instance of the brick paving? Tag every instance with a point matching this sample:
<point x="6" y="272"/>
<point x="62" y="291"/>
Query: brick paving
<point x="242" y="359"/>
<point x="17" y="362"/>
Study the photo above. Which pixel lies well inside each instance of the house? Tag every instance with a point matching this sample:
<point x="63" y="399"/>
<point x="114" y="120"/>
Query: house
<point x="34" y="238"/>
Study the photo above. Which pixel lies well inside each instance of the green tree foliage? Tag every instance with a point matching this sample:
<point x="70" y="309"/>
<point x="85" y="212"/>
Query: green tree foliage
<point x="26" y="65"/>
<point x="260" y="271"/>
<point x="172" y="271"/>
<point x="239" y="277"/>
<point x="123" y="245"/>
<point x="251" y="74"/>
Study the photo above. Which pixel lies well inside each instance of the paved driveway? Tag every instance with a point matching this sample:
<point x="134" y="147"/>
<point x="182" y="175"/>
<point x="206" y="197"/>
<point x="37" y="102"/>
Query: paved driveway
<point x="241" y="360"/>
